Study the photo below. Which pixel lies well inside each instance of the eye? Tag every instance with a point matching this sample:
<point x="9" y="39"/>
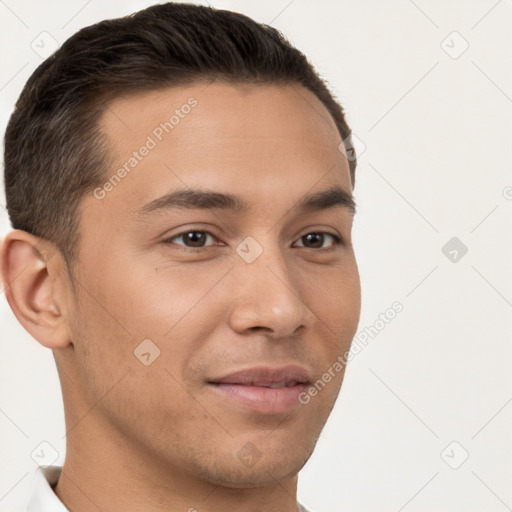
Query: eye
<point x="317" y="239"/>
<point x="196" y="239"/>
<point x="192" y="239"/>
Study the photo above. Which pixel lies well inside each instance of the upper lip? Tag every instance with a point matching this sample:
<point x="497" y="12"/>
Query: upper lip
<point x="266" y="375"/>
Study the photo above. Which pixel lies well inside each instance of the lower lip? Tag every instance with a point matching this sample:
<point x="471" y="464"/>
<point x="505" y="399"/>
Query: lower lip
<point x="262" y="399"/>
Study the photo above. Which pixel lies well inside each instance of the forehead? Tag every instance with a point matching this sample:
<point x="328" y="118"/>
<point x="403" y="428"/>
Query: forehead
<point x="245" y="138"/>
<point x="223" y="109"/>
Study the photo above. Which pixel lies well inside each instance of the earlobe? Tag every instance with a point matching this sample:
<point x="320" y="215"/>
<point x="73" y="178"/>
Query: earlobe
<point x="30" y="287"/>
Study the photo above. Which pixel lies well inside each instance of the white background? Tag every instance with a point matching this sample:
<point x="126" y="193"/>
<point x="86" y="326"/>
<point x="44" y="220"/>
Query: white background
<point x="436" y="165"/>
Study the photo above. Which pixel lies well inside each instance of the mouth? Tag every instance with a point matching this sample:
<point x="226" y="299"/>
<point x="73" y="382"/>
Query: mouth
<point x="265" y="390"/>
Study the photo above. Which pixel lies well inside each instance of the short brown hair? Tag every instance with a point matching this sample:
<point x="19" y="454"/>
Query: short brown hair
<point x="54" y="151"/>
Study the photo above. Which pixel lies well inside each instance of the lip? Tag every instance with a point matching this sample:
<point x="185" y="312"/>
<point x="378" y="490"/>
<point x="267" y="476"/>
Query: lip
<point x="252" y="389"/>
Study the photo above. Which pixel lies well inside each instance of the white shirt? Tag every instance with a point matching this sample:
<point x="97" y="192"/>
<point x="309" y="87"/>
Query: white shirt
<point x="44" y="499"/>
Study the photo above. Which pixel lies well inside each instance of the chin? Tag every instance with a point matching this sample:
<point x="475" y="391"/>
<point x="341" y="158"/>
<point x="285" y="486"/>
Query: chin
<point x="271" y="467"/>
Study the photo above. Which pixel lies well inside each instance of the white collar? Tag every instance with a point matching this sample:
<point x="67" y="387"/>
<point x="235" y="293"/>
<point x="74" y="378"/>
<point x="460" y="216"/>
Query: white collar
<point x="42" y="497"/>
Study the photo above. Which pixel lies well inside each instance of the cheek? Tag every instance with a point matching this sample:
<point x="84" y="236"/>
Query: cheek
<point x="335" y="297"/>
<point x="179" y="302"/>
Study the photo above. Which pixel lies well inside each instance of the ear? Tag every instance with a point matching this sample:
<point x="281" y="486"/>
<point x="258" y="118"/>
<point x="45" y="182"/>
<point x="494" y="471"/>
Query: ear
<point x="34" y="288"/>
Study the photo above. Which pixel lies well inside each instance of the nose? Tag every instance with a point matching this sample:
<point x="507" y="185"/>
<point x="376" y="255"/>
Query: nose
<point x="268" y="297"/>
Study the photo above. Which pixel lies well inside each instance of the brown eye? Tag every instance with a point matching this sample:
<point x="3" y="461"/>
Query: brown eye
<point x="192" y="238"/>
<point x="316" y="240"/>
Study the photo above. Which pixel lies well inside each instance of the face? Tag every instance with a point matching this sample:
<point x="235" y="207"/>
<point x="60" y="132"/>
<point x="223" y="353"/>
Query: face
<point x="192" y="312"/>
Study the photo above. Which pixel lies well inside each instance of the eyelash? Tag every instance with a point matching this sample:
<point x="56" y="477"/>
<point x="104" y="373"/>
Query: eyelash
<point x="337" y="240"/>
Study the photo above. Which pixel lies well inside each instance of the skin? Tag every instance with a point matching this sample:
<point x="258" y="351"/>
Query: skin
<point x="153" y="437"/>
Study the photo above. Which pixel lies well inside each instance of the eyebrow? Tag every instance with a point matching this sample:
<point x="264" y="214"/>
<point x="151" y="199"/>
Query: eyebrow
<point x="334" y="197"/>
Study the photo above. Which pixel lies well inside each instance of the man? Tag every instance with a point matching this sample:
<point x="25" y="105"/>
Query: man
<point x="181" y="198"/>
